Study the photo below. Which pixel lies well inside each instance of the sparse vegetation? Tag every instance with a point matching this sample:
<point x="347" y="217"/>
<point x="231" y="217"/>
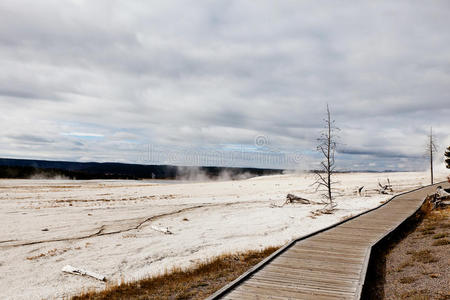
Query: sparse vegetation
<point x="424" y="256"/>
<point x="196" y="283"/>
<point x="428" y="229"/>
<point x="440" y="235"/>
<point x="414" y="263"/>
<point x="49" y="253"/>
<point x="404" y="265"/>
<point x="441" y="242"/>
<point x="407" y="279"/>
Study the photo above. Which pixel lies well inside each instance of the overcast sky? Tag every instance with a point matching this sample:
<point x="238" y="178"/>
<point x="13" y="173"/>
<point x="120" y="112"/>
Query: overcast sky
<point x="241" y="83"/>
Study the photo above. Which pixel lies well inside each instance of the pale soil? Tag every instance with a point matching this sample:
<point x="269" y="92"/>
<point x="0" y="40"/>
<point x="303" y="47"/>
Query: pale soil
<point x="106" y="226"/>
<point x="419" y="266"/>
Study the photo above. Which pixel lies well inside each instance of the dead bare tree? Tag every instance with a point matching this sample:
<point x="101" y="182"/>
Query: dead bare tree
<point x="327" y="147"/>
<point x="431" y="148"/>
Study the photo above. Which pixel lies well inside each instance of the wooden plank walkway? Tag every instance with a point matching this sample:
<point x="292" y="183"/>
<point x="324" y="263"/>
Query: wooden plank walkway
<point x="328" y="264"/>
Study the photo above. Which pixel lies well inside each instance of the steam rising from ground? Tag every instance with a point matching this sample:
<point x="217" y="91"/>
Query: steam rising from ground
<point x="198" y="174"/>
<point x="46" y="176"/>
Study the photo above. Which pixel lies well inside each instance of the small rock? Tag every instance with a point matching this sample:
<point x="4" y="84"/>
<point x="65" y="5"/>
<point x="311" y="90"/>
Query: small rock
<point x="44" y="229"/>
<point x="435" y="275"/>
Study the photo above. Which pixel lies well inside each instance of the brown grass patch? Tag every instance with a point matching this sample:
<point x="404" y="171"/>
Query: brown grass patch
<point x="415" y="295"/>
<point x="404" y="265"/>
<point x="407" y="279"/>
<point x="49" y="253"/>
<point x="424" y="256"/>
<point x="439" y="236"/>
<point x="428" y="229"/>
<point x="441" y="242"/>
<point x="347" y="217"/>
<point x="196" y="283"/>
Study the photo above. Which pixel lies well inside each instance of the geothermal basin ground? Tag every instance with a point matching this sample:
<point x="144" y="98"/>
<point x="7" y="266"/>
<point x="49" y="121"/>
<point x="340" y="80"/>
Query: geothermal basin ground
<point x="115" y="228"/>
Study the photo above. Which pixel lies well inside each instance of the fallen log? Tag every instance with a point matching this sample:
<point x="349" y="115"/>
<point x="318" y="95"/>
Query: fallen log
<point x="442" y="193"/>
<point x="291" y="198"/>
<point x="77" y="271"/>
<point x="440" y="198"/>
<point x="385" y="189"/>
<point x="164" y="230"/>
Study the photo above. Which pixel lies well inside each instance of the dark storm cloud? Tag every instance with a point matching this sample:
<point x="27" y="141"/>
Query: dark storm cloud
<point x="215" y="73"/>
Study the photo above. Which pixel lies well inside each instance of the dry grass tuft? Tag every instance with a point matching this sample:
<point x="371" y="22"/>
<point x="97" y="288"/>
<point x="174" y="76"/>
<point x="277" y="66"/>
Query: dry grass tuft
<point x="404" y="265"/>
<point x="347" y="217"/>
<point x="407" y="279"/>
<point x="49" y="253"/>
<point x="415" y="295"/>
<point x="424" y="256"/>
<point x="441" y="242"/>
<point x="439" y="236"/>
<point x="196" y="283"/>
<point x="428" y="229"/>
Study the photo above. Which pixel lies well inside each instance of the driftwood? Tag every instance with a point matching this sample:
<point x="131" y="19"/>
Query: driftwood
<point x="164" y="230"/>
<point x="292" y="199"/>
<point x="442" y="193"/>
<point x="385" y="189"/>
<point x="440" y="198"/>
<point x="360" y="190"/>
<point x="78" y="271"/>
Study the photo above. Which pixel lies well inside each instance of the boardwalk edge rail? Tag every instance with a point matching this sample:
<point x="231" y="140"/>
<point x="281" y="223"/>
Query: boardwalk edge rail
<point x="227" y="288"/>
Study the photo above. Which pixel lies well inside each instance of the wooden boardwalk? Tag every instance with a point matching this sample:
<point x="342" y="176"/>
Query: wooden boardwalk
<point x="328" y="264"/>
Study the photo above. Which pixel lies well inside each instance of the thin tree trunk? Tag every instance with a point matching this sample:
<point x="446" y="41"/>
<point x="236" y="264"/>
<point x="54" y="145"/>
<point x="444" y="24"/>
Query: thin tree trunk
<point x="431" y="154"/>
<point x="328" y="156"/>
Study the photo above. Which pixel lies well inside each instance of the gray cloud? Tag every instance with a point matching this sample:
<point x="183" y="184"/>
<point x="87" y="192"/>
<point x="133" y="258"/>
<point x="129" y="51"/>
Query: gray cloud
<point x="200" y="74"/>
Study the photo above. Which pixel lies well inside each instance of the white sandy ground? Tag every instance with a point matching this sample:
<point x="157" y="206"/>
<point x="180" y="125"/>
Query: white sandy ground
<point x="207" y="219"/>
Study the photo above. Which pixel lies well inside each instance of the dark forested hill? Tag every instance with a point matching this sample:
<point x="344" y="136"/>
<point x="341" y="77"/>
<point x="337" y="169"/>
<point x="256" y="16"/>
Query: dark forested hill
<point x="26" y="168"/>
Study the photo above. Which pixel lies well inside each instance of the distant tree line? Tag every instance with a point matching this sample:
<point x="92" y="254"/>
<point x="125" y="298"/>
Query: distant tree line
<point x="24" y="168"/>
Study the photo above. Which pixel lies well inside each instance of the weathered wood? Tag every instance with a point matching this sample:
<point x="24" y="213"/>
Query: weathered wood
<point x="329" y="264"/>
<point x="78" y="271"/>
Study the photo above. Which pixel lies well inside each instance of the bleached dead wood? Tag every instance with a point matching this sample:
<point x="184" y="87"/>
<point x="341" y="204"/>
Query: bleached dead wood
<point x="77" y="271"/>
<point x="385" y="189"/>
<point x="292" y="199"/>
<point x="440" y="198"/>
<point x="360" y="190"/>
<point x="442" y="193"/>
<point x="164" y="230"/>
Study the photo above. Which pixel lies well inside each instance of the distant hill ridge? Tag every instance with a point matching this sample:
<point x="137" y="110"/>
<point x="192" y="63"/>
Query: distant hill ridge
<point x="28" y="168"/>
